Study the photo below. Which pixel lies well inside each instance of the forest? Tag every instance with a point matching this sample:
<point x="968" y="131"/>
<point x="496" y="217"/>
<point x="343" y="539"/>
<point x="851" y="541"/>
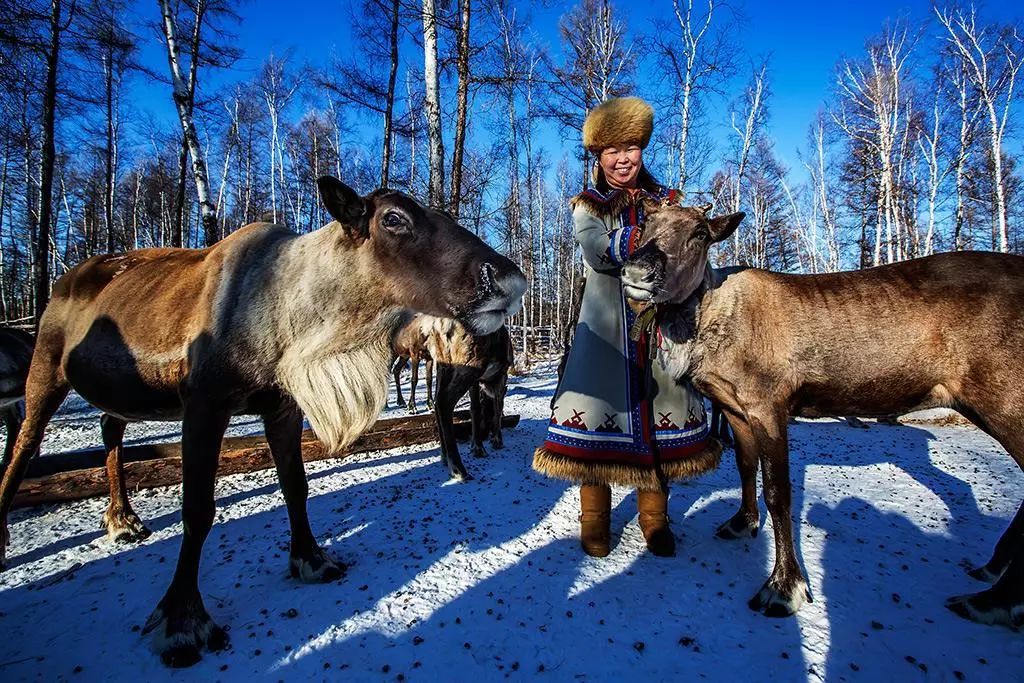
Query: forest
<point x="469" y="107"/>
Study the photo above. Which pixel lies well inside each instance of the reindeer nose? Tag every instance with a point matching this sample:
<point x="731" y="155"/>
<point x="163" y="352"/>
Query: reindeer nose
<point x="486" y="283"/>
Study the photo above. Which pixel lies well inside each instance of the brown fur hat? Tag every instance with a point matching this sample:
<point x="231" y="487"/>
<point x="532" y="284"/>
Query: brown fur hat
<point x="618" y="121"/>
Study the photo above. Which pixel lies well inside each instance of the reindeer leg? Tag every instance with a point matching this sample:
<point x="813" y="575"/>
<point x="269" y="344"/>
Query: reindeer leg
<point x="477" y="422"/>
<point x="414" y="379"/>
<point x="497" y="411"/>
<point x="785" y="591"/>
<point x="186" y="625"/>
<point x="430" y="383"/>
<point x="14" y="415"/>
<point x="45" y="389"/>
<point x="120" y="520"/>
<point x="1003" y="603"/>
<point x="746" y="522"/>
<point x="307" y="561"/>
<point x="396" y="371"/>
<point x="451" y="385"/>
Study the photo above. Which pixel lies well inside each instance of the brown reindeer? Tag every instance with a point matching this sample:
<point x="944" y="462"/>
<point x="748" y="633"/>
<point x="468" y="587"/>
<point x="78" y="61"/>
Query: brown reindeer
<point x="946" y="330"/>
<point x="410" y="347"/>
<point x="119" y="519"/>
<point x="465" y="362"/>
<point x="265" y="322"/>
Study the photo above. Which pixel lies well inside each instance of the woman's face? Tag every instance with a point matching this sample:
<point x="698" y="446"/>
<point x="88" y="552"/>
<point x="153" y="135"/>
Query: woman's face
<point x="621" y="164"/>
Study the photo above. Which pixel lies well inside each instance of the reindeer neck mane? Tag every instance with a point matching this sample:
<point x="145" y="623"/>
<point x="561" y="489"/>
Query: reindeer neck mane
<point x="336" y="340"/>
<point x="680" y="327"/>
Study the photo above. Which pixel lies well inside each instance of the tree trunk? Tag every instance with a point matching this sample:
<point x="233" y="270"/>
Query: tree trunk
<point x="389" y="106"/>
<point x="462" y="97"/>
<point x="42" y="280"/>
<point x="432" y="104"/>
<point x="183" y="97"/>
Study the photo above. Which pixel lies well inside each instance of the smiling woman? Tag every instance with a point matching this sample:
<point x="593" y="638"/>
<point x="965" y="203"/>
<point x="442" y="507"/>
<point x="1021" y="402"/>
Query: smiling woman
<point x="618" y="417"/>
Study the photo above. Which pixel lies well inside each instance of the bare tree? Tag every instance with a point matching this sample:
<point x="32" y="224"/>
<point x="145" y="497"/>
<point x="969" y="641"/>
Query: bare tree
<point x="992" y="57"/>
<point x="600" y="64"/>
<point x="699" y="60"/>
<point x="183" y="94"/>
<point x="462" y="100"/>
<point x="753" y="111"/>
<point x="435" y="191"/>
<point x="58" y="24"/>
<point x="873" y="110"/>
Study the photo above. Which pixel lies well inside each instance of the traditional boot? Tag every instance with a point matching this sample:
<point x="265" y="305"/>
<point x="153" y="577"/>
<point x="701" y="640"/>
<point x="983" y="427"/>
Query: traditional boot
<point x="653" y="508"/>
<point x="595" y="519"/>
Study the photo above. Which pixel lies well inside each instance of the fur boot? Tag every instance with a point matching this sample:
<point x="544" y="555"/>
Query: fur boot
<point x="653" y="509"/>
<point x="595" y="519"/>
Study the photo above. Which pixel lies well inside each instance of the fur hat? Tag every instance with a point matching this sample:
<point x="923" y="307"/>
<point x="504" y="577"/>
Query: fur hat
<point x="618" y="121"/>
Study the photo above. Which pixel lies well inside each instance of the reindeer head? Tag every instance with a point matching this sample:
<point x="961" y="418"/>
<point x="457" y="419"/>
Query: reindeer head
<point x="428" y="262"/>
<point x="670" y="261"/>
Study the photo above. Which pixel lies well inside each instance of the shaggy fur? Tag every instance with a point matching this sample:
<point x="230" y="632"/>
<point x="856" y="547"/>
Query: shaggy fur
<point x="643" y="479"/>
<point x="618" y="121"/>
<point x="340" y="393"/>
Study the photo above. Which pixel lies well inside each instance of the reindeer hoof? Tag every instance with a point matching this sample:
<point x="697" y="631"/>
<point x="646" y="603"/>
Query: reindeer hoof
<point x="738" y="526"/>
<point x="186" y="630"/>
<point x="989" y="607"/>
<point x="318" y="567"/>
<point x="497" y="443"/>
<point x="459" y="477"/>
<point x="125" y="527"/>
<point x="478" y="452"/>
<point x="774" y="600"/>
<point x="985" y="575"/>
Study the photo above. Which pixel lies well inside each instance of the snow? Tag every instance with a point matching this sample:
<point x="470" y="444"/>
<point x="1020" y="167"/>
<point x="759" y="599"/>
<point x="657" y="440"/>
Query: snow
<point x="485" y="580"/>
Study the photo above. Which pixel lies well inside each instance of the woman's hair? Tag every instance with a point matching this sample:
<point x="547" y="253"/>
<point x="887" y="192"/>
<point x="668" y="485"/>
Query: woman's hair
<point x="644" y="179"/>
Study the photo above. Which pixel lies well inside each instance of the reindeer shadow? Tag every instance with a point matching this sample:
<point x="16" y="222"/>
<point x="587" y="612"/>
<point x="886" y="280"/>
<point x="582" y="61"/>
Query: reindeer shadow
<point x="390" y="528"/>
<point x="884" y="584"/>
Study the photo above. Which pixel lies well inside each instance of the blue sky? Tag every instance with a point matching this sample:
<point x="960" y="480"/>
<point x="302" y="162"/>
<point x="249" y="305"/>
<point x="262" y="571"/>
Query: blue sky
<point x="804" y="40"/>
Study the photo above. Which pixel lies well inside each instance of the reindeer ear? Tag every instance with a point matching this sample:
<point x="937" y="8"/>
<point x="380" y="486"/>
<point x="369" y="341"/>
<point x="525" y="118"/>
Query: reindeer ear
<point x="723" y="226"/>
<point x="342" y="202"/>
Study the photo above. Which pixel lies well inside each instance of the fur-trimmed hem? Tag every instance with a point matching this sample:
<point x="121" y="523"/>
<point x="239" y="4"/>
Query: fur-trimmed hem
<point x="643" y="478"/>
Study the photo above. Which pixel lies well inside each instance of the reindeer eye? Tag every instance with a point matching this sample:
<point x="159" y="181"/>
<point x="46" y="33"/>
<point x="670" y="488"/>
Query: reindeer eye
<point x="701" y="234"/>
<point x="394" y="221"/>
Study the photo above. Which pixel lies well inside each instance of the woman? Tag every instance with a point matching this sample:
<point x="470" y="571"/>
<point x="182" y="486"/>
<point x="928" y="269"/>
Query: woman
<point x="617" y="417"/>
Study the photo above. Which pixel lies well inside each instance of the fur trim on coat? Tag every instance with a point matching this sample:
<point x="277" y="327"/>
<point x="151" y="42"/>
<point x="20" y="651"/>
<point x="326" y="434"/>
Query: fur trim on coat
<point x="560" y="466"/>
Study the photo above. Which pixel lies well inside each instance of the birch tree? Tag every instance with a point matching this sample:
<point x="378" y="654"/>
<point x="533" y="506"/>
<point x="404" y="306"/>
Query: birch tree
<point x="432" y="109"/>
<point x="183" y="94"/>
<point x="699" y="59"/>
<point x="992" y="57"/>
<point x="873" y="111"/>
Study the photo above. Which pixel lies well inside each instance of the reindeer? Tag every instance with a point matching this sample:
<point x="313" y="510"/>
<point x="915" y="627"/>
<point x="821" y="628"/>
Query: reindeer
<point x="265" y="322"/>
<point x="465" y="362"/>
<point x="410" y="347"/>
<point x="946" y="330"/>
<point x="119" y="519"/>
<point x="15" y="355"/>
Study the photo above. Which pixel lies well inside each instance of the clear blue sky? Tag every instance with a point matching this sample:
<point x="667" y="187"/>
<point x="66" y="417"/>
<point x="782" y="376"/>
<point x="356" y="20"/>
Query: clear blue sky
<point x="803" y="38"/>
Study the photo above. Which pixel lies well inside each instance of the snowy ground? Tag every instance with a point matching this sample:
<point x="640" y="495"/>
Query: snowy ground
<point x="485" y="580"/>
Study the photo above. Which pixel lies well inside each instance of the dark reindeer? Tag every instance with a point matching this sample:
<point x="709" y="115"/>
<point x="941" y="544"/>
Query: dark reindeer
<point x="15" y="356"/>
<point x="119" y="519"/>
<point x="946" y="330"/>
<point x="265" y="322"/>
<point x="464" y="362"/>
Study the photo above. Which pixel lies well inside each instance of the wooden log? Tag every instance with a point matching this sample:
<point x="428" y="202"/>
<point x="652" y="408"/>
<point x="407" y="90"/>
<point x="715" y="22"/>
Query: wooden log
<point x="160" y="464"/>
<point x="96" y="457"/>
